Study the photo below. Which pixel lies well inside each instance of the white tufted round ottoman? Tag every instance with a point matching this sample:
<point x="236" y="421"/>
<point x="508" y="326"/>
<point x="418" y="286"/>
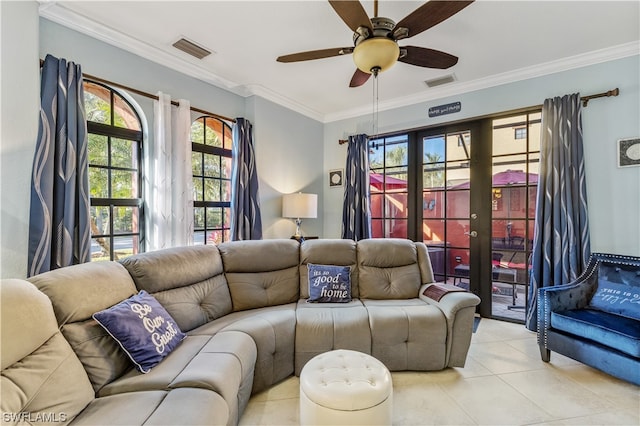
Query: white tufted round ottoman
<point x="344" y="387"/>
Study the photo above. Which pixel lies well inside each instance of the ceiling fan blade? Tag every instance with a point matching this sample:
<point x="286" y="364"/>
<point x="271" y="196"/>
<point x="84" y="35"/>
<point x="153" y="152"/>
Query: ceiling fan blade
<point x="431" y="14"/>
<point x="352" y="13"/>
<point x="359" y="78"/>
<point x="428" y="58"/>
<point x="315" y="54"/>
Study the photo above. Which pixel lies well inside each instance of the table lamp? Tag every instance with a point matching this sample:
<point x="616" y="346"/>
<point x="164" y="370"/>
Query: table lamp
<point x="299" y="206"/>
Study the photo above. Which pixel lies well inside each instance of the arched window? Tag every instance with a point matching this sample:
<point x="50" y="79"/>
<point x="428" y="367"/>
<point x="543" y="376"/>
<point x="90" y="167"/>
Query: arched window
<point x="115" y="173"/>
<point x="211" y="162"/>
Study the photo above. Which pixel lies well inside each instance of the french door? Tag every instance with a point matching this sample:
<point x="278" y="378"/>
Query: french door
<point x="468" y="191"/>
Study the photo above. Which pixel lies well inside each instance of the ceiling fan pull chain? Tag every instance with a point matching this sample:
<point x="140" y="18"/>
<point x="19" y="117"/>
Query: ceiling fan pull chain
<point x="374" y="112"/>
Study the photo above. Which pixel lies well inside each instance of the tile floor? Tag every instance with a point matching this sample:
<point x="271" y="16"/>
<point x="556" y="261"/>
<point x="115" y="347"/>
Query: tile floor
<point x="504" y="383"/>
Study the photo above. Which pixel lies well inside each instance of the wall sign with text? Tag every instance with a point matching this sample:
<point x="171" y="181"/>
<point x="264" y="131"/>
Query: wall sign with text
<point x="439" y="110"/>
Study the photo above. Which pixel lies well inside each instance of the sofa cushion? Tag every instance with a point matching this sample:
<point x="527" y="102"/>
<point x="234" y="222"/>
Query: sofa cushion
<point x="617" y="298"/>
<point x="77" y="292"/>
<point x="40" y="372"/>
<point x="340" y="252"/>
<point x="322" y="327"/>
<point x="184" y="406"/>
<point x="612" y="330"/>
<point x="329" y="283"/>
<point x="143" y="328"/>
<point x="273" y="331"/>
<point x="188" y="282"/>
<point x="401" y="330"/>
<point x="261" y="272"/>
<point x="223" y="363"/>
<point x="388" y="269"/>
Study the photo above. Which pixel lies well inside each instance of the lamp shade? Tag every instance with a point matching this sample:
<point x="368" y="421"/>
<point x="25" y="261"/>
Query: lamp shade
<point x="300" y="205"/>
<point x="377" y="52"/>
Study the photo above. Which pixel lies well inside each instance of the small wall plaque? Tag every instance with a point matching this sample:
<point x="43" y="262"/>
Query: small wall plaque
<point x="439" y="110"/>
<point x="629" y="152"/>
<point x="336" y="179"/>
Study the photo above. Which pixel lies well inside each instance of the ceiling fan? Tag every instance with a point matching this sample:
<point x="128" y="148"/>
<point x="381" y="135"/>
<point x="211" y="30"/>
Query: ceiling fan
<point x="376" y="40"/>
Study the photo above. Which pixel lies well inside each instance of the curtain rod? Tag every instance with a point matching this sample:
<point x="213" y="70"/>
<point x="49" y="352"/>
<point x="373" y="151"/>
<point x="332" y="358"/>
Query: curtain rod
<point x="148" y="95"/>
<point x="585" y="100"/>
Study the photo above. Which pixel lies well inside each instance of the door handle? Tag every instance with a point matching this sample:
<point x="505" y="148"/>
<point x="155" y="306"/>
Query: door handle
<point x="472" y="234"/>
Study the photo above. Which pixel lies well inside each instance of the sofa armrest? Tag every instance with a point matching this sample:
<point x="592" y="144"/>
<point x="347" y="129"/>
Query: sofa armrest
<point x="459" y="310"/>
<point x="575" y="295"/>
<point x="452" y="302"/>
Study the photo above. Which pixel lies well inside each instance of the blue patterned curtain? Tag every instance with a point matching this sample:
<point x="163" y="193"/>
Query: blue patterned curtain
<point x="246" y="221"/>
<point x="561" y="244"/>
<point x="356" y="215"/>
<point x="59" y="231"/>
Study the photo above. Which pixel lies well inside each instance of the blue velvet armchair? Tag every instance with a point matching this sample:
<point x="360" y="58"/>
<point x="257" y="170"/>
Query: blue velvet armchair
<point x="596" y="318"/>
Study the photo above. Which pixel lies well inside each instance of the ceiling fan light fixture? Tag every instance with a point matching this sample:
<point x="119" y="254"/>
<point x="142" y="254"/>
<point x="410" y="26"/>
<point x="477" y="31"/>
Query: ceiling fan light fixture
<point x="376" y="52"/>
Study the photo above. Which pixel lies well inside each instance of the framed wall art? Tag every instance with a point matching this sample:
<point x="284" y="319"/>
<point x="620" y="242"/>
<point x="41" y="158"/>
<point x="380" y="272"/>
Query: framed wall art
<point x="629" y="152"/>
<point x="336" y="178"/>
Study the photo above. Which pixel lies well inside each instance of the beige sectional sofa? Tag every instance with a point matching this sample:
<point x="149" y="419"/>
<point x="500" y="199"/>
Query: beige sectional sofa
<point x="243" y="306"/>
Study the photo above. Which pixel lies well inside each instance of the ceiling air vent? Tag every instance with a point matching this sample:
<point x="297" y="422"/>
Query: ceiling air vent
<point x="440" y="80"/>
<point x="191" y="48"/>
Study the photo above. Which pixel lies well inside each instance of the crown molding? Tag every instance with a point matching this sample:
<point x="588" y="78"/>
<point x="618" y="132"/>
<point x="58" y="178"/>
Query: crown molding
<point x="270" y="95"/>
<point x="63" y="16"/>
<point x="458" y="88"/>
<point x="55" y="12"/>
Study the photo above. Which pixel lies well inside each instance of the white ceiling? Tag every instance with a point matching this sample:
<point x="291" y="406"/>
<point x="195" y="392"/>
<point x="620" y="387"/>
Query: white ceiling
<point x="497" y="42"/>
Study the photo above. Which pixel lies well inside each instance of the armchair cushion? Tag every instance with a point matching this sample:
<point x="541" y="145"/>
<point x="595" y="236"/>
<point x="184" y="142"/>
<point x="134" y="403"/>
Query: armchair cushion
<point x="619" y="332"/>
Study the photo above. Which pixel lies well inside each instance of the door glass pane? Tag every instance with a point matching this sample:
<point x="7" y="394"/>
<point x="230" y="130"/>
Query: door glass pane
<point x="396" y="153"/>
<point x="433" y="149"/>
<point x="433" y="231"/>
<point x="445" y="200"/>
<point x="460" y="267"/>
<point x="458" y="174"/>
<point x="388" y="159"/>
<point x="439" y="260"/>
<point x="459" y="147"/>
<point x="433" y="175"/>
<point x="456" y="230"/>
<point x="513" y="192"/>
<point x="377" y="227"/>
<point x="458" y="203"/>
<point x="510" y="135"/>
<point x="396" y="228"/>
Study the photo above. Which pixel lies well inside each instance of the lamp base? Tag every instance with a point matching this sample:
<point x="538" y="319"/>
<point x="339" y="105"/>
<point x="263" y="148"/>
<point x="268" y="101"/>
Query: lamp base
<point x="297" y="234"/>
